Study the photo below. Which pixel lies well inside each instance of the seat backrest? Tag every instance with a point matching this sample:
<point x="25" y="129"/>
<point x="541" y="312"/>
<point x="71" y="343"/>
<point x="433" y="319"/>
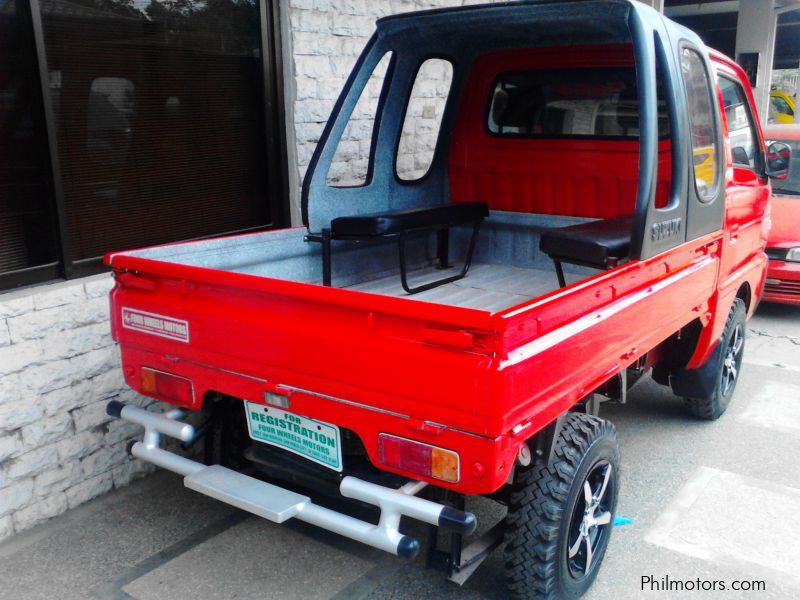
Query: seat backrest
<point x="576" y="175"/>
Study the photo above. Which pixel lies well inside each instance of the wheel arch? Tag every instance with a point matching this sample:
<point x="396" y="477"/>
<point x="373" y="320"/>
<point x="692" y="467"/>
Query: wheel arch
<point x="745" y="293"/>
<point x="700" y="381"/>
<point x="542" y="444"/>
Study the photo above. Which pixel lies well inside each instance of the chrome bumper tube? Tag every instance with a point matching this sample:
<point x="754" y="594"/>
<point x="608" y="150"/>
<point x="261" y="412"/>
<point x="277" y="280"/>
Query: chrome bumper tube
<point x="278" y="504"/>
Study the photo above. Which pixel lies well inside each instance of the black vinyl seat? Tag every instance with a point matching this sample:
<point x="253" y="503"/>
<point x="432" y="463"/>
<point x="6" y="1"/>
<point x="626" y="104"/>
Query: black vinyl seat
<point x="599" y="244"/>
<point x="400" y="224"/>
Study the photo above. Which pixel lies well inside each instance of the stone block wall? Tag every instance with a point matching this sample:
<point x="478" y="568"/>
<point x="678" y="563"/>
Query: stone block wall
<point x="59" y="368"/>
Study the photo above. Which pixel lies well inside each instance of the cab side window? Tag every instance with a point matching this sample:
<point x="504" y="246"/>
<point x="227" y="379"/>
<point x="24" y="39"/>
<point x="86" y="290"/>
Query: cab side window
<point x="701" y="115"/>
<point x="740" y="124"/>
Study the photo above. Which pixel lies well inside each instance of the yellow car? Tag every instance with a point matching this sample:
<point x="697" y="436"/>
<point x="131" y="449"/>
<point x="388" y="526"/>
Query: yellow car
<point x="781" y="107"/>
<point x="704" y="165"/>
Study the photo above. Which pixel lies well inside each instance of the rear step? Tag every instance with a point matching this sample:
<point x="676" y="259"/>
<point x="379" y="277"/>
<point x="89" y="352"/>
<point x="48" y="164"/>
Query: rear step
<point x="277" y="504"/>
<point x="258" y="497"/>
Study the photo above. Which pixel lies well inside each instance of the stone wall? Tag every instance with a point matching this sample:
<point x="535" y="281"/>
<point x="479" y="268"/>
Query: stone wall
<point x="59" y="367"/>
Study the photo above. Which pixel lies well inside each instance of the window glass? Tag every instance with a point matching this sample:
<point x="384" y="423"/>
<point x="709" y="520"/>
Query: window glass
<point x="109" y="119"/>
<point x="351" y="161"/>
<point x="781" y="106"/>
<point x="423" y="118"/>
<point x="701" y="116"/>
<point x="569" y="102"/>
<point x="740" y="123"/>
<point x="27" y="236"/>
<point x="159" y="109"/>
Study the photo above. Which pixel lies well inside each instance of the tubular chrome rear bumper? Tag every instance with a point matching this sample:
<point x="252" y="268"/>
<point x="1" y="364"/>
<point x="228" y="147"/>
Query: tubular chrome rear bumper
<point x="278" y="504"/>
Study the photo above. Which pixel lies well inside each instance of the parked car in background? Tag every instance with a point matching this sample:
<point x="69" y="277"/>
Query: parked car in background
<point x="781" y="107"/>
<point x="783" y="247"/>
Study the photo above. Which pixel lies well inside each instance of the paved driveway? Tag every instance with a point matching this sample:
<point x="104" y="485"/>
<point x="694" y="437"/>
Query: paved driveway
<point x="708" y="501"/>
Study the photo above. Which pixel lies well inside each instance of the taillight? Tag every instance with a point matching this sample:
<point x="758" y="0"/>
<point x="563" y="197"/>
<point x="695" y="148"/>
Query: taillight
<point x="417" y="457"/>
<point x="167" y="386"/>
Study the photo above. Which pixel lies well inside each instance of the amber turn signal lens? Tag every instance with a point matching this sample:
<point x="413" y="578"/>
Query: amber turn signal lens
<point x="444" y="464"/>
<point x="149" y="381"/>
<point x="418" y="458"/>
<point x="167" y="386"/>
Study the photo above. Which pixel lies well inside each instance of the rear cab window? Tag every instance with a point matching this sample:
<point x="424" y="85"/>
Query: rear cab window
<point x="583" y="102"/>
<point x="701" y="117"/>
<point x="422" y="122"/>
<point x="352" y="161"/>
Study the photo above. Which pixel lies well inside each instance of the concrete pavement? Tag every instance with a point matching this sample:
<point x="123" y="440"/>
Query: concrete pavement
<point x="710" y="501"/>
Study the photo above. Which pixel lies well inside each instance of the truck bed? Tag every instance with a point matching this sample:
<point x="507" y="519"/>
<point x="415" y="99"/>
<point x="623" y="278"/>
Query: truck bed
<point x="490" y="287"/>
<point x="507" y="268"/>
<point x="247" y="315"/>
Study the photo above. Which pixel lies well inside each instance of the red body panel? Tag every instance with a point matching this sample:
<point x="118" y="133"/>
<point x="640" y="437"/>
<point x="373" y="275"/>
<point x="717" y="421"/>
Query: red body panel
<point x="785" y="212"/>
<point x="788" y="290"/>
<point x="468" y="380"/>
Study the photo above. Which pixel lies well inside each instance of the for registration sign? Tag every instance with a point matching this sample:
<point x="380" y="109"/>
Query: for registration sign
<point x="311" y="439"/>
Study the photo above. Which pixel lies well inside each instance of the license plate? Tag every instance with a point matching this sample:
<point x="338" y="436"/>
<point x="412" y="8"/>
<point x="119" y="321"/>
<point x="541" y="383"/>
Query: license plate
<point x="311" y="439"/>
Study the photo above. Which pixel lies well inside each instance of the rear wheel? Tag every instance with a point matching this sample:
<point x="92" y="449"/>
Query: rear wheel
<point x="722" y="368"/>
<point x="560" y="515"/>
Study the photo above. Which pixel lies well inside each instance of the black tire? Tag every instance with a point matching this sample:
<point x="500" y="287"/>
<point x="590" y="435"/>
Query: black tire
<point x="546" y="512"/>
<point x="722" y="368"/>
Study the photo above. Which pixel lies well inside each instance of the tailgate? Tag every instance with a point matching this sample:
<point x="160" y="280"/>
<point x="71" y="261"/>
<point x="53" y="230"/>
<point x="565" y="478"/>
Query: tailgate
<point x="422" y="360"/>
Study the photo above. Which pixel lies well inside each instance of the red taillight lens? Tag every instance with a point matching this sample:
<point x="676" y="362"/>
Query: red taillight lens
<point x="167" y="386"/>
<point x="417" y="457"/>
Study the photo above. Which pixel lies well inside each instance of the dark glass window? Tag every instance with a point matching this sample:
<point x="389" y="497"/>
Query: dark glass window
<point x="741" y="129"/>
<point x="159" y="119"/>
<point x="701" y="116"/>
<point x="27" y="236"/>
<point x="596" y="102"/>
<point x="129" y="123"/>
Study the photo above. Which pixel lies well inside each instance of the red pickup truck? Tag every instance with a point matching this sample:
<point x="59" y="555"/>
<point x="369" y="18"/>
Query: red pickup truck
<point x="587" y="218"/>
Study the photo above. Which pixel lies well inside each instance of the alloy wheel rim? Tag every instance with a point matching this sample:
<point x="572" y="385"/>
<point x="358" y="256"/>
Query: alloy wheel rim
<point x="732" y="360"/>
<point x="591" y="520"/>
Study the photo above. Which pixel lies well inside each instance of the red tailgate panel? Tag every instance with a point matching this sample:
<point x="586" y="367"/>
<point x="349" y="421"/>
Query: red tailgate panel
<point x="370" y="357"/>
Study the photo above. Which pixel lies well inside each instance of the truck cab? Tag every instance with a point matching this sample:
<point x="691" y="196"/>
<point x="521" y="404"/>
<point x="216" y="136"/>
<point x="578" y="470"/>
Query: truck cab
<point x="514" y="213"/>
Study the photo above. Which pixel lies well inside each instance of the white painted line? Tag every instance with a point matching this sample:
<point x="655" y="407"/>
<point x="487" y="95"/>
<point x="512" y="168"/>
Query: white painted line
<point x="776" y="406"/>
<point x="739" y="522"/>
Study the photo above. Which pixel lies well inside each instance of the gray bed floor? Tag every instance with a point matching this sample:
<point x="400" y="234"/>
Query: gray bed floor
<point x="486" y="287"/>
